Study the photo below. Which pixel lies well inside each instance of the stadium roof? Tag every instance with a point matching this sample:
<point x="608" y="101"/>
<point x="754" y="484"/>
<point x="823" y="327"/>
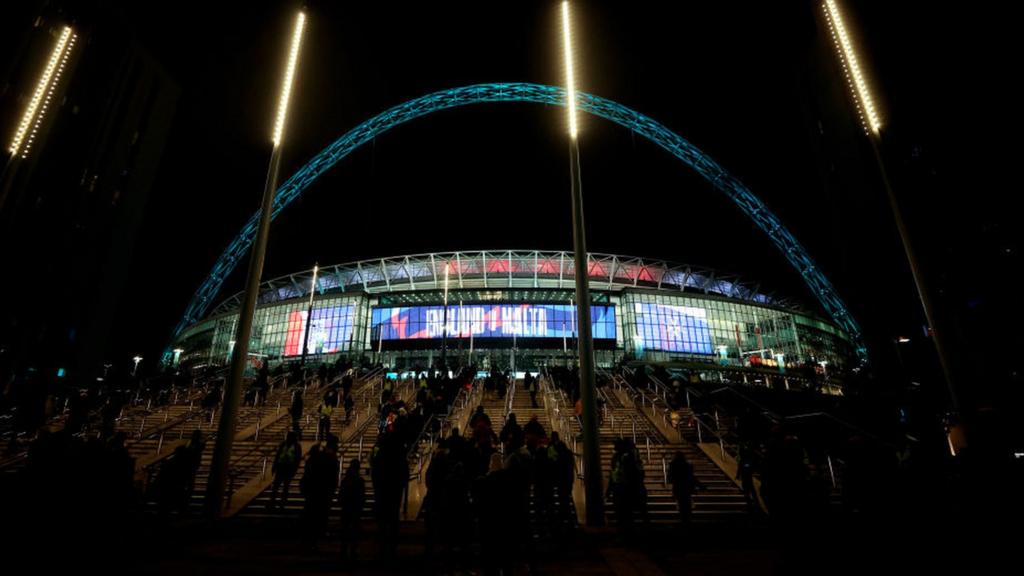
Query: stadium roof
<point x="505" y="269"/>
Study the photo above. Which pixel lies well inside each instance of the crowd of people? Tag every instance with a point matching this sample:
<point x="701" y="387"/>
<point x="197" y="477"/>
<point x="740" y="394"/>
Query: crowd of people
<point x="490" y="490"/>
<point x="490" y="480"/>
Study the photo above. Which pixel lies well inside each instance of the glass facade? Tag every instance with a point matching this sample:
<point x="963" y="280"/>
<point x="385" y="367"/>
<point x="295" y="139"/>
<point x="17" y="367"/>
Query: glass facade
<point x="660" y="327"/>
<point x="279" y="332"/>
<point x="641" y="323"/>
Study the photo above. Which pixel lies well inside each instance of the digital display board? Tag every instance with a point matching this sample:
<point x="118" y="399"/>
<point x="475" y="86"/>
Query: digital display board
<point x="330" y="331"/>
<point x="488" y="321"/>
<point x="673" y="328"/>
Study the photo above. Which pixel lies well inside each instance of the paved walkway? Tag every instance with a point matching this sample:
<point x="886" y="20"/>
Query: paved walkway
<point x="273" y="549"/>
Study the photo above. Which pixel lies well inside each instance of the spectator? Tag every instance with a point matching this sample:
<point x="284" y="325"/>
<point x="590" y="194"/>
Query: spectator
<point x="351" y="496"/>
<point x="680" y="474"/>
<point x="285" y="466"/>
<point x="318" y="484"/>
<point x="296" y="409"/>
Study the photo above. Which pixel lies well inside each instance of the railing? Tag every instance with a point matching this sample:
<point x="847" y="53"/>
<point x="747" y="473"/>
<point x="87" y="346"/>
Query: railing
<point x="422" y="448"/>
<point x="510" y="398"/>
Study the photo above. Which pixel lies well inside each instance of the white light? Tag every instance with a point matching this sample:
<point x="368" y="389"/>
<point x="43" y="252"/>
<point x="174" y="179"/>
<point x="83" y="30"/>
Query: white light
<point x="903" y="339"/>
<point x="851" y="67"/>
<point x="286" y="90"/>
<point x="446" y="267"/>
<point x="570" y="80"/>
<point x="312" y="286"/>
<point x="44" y="87"/>
<point x="49" y="94"/>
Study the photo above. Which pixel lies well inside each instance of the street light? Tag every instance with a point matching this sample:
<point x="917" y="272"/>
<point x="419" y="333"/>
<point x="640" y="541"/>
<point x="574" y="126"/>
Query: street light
<point x="31" y="121"/>
<point x="444" y="323"/>
<point x="851" y="67"/>
<point x="309" y="315"/>
<point x="872" y="125"/>
<point x="591" y="451"/>
<point x="137" y="359"/>
<point x="229" y="411"/>
<point x="37" y="106"/>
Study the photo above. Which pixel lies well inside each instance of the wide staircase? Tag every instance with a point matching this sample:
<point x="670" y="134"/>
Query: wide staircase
<point x="258" y="431"/>
<point x="149" y="427"/>
<point x="519" y="402"/>
<point x="627" y="414"/>
<point x="357" y="439"/>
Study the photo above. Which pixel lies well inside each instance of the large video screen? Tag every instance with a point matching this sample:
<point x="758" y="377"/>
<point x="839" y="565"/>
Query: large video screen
<point x="329" y="332"/>
<point x="489" y="321"/>
<point x="673" y="328"/>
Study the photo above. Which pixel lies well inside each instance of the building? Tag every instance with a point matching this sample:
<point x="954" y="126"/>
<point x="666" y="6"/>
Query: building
<point x="516" y="309"/>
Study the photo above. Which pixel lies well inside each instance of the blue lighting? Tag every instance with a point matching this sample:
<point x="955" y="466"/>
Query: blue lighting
<point x="640" y="124"/>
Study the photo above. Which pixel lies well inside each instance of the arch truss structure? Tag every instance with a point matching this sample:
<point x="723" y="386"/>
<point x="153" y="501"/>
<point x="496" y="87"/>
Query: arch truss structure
<point x="640" y="124"/>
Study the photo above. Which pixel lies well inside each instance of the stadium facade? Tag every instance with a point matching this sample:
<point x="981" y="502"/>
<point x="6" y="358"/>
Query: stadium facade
<point x="516" y="307"/>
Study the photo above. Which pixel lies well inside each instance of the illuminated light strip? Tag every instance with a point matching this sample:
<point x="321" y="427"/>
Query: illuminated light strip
<point x="312" y="290"/>
<point x="41" y="88"/>
<point x="570" y="80"/>
<point x="49" y="96"/>
<point x="286" y="90"/>
<point x="851" y="68"/>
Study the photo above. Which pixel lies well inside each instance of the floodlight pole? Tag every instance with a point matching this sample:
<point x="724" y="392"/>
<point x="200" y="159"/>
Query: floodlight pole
<point x="588" y="382"/>
<point x="592" y="478"/>
<point x="309" y="317"/>
<point x="872" y="124"/>
<point x="444" y="325"/>
<point x="239" y="357"/>
<point x="915" y="271"/>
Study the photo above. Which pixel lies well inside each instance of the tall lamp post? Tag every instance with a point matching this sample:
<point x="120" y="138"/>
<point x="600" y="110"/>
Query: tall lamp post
<point x="591" y="451"/>
<point x="444" y="324"/>
<point x="309" y="316"/>
<point x="872" y="124"/>
<point x="229" y="412"/>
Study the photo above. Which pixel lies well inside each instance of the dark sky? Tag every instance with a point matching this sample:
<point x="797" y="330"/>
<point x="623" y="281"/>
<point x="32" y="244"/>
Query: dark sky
<point x="747" y="82"/>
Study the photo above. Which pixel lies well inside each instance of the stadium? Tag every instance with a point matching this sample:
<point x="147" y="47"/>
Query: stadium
<point x="515" y="310"/>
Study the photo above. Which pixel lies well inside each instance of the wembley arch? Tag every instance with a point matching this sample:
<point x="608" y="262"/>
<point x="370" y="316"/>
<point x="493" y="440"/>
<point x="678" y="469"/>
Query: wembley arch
<point x="640" y="124"/>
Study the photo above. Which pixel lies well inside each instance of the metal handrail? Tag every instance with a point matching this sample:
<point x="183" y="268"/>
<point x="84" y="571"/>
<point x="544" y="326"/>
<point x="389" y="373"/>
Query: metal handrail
<point x="844" y="424"/>
<point x="266" y="448"/>
<point x="763" y="409"/>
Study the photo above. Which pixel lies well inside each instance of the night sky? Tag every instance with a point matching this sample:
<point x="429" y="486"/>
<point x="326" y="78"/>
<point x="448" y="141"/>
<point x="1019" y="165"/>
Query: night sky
<point x="751" y="84"/>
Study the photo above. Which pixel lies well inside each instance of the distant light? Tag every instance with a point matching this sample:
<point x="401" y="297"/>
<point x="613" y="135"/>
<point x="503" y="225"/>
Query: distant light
<point x="903" y="339"/>
<point x="289" y="75"/>
<point x="60" y="372"/>
<point x="41" y="98"/>
<point x="851" y="68"/>
<point x="570" y="80"/>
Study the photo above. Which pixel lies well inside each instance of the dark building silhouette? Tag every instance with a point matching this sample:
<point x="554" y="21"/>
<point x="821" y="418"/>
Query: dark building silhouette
<point x="74" y="204"/>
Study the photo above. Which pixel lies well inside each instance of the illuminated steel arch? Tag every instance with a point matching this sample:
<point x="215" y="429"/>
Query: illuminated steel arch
<point x="752" y="206"/>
